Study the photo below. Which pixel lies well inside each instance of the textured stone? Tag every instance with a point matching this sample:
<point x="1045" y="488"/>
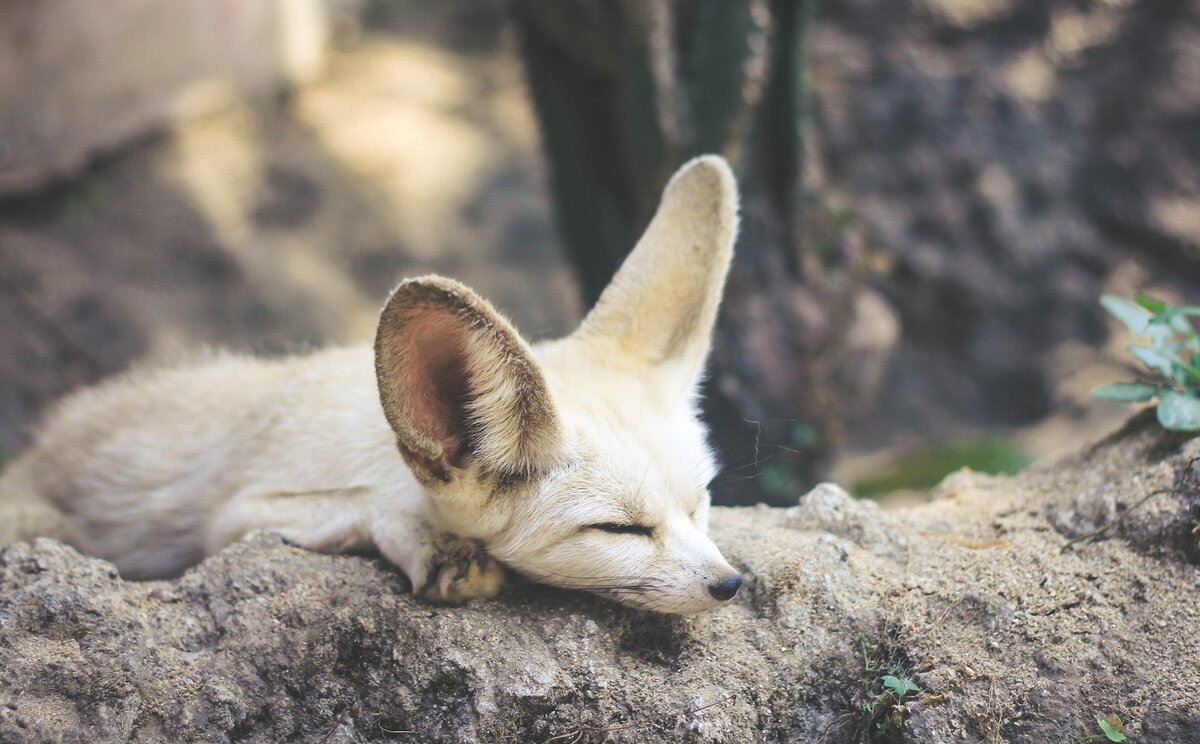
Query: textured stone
<point x="971" y="596"/>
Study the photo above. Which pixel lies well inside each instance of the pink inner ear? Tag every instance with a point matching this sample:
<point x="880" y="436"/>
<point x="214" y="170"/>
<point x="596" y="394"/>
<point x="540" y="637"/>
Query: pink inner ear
<point x="435" y="389"/>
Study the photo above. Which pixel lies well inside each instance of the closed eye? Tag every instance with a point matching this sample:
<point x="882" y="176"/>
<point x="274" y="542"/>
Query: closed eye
<point x="623" y="529"/>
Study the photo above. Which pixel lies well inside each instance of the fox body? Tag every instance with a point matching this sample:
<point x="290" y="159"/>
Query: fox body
<point x="453" y="447"/>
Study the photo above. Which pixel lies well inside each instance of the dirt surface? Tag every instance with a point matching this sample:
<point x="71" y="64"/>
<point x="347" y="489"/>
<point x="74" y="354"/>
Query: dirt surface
<point x="970" y="596"/>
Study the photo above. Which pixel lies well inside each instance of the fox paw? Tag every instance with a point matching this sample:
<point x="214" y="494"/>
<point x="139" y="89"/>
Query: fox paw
<point x="464" y="571"/>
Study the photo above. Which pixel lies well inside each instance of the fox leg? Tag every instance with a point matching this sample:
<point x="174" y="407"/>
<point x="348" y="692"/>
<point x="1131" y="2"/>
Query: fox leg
<point x="446" y="569"/>
<point x="331" y="521"/>
<point x="441" y="569"/>
<point x="408" y="544"/>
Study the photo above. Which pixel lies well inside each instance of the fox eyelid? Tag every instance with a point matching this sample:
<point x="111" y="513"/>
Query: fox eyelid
<point x="623" y="529"/>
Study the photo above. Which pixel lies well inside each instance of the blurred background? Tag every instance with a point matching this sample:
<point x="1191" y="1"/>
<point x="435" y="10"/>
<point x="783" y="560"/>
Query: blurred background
<point x="935" y="195"/>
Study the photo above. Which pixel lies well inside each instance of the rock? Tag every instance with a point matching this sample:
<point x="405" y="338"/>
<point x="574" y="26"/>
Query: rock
<point x="80" y="78"/>
<point x="970" y="596"/>
<point x="828" y="507"/>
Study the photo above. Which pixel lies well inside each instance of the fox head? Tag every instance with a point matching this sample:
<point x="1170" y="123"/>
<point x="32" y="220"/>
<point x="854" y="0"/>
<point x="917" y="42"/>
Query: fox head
<point x="580" y="462"/>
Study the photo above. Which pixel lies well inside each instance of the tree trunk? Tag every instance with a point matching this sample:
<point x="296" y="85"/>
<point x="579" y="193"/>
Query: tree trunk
<point x="625" y="92"/>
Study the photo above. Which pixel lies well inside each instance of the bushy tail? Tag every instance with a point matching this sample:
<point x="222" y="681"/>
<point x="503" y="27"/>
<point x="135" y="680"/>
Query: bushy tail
<point x="23" y="515"/>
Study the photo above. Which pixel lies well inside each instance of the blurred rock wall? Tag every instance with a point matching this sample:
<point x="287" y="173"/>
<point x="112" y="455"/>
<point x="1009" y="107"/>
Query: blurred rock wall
<point x="79" y="77"/>
<point x="1013" y="159"/>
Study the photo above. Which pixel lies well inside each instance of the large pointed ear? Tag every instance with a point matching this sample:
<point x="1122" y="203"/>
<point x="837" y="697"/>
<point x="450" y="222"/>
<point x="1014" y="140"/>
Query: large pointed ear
<point x="661" y="306"/>
<point x="459" y="385"/>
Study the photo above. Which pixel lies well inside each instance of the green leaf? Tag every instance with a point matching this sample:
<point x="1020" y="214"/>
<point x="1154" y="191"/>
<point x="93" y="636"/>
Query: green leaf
<point x="1126" y="392"/>
<point x="1175" y="318"/>
<point x="1155" y="306"/>
<point x="1135" y="318"/>
<point x="899" y="686"/>
<point x="1178" y="411"/>
<point x="1155" y="359"/>
<point x="1187" y="375"/>
<point x="1110" y="731"/>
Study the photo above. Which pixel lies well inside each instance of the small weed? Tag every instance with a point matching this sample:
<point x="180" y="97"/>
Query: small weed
<point x="1112" y="729"/>
<point x="926" y="468"/>
<point x="879" y="704"/>
<point x="1172" y="354"/>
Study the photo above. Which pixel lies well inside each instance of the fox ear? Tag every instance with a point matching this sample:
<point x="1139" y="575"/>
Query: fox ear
<point x="458" y="384"/>
<point x="660" y="308"/>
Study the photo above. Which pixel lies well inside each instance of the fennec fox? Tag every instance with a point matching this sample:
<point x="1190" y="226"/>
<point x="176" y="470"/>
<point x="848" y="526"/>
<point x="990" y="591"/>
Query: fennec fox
<point x="578" y="462"/>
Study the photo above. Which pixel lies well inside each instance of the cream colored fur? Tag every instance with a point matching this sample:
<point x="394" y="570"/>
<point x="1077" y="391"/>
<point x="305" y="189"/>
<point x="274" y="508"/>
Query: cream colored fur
<point x="545" y="457"/>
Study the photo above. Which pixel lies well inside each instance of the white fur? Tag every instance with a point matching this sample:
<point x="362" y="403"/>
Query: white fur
<point x="159" y="468"/>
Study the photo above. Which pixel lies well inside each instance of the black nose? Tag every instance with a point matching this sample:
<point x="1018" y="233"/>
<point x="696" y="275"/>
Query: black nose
<point x="725" y="589"/>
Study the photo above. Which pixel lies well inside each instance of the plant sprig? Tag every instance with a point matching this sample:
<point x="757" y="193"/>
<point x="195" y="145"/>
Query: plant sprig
<point x="1172" y="352"/>
<point x="884" y="691"/>
<point x="1113" y="729"/>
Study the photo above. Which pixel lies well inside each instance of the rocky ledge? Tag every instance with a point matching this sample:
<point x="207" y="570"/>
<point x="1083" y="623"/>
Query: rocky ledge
<point x="1004" y="609"/>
